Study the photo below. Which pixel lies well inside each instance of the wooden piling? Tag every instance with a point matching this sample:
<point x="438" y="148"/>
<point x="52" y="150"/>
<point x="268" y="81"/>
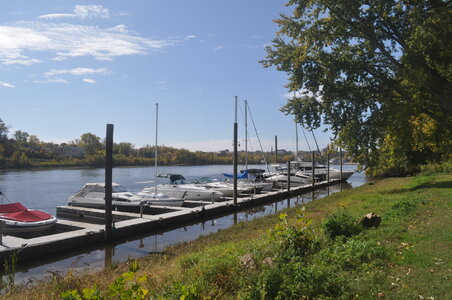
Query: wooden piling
<point x="108" y="182"/>
<point x="313" y="168"/>
<point x="288" y="176"/>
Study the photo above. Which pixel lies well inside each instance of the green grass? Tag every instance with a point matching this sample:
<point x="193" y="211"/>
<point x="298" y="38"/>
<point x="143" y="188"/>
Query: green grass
<point x="407" y="257"/>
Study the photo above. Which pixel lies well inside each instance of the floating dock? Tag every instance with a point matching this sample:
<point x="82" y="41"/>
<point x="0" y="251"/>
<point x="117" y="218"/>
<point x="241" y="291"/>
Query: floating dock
<point x="78" y="227"/>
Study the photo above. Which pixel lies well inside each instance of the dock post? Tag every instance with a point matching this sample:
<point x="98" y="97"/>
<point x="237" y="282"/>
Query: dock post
<point x="313" y="169"/>
<point x="328" y="167"/>
<point x="235" y="154"/>
<point x="288" y="176"/>
<point x="141" y="208"/>
<point x="2" y="223"/>
<point x="108" y="182"/>
<point x="340" y="160"/>
<point x="276" y="149"/>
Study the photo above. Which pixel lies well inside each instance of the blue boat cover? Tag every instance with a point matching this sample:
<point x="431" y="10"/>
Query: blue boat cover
<point x="244" y="175"/>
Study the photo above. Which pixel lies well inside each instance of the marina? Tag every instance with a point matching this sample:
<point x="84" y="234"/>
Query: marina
<point x="82" y="228"/>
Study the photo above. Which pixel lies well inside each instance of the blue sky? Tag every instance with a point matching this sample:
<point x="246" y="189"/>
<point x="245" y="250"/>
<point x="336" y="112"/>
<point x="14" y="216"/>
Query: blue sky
<point x="70" y="67"/>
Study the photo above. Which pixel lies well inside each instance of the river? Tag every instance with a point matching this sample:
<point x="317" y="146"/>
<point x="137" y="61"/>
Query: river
<point x="46" y="189"/>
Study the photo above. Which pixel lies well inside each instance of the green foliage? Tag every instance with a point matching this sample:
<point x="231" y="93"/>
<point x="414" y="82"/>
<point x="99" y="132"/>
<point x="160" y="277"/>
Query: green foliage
<point x="341" y="223"/>
<point x="182" y="292"/>
<point x="292" y="242"/>
<point x="376" y="72"/>
<point x="126" y="286"/>
<point x="90" y="142"/>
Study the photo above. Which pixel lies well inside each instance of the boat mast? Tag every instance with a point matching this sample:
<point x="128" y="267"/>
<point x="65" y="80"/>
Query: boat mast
<point x="156" y="137"/>
<point x="156" y="143"/>
<point x="246" y="135"/>
<point x="296" y="143"/>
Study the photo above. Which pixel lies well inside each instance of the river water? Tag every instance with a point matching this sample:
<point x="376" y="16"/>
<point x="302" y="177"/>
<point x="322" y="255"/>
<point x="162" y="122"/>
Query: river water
<point x="46" y="189"/>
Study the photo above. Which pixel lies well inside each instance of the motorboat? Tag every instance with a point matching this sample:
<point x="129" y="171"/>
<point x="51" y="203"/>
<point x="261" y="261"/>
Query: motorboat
<point x="19" y="219"/>
<point x="92" y="195"/>
<point x="154" y="197"/>
<point x="178" y="186"/>
<point x="223" y="187"/>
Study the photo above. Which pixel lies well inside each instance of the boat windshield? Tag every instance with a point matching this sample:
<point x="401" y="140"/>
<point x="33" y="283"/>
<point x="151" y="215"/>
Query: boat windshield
<point x="118" y="189"/>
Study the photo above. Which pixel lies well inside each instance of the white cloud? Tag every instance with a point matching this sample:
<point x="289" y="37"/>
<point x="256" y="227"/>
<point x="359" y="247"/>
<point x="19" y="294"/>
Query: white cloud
<point x="219" y="47"/>
<point x="81" y="12"/>
<point x="89" y="80"/>
<point x="68" y="40"/>
<point x="24" y="61"/>
<point x="52" y="80"/>
<point x="5" y="84"/>
<point x="77" y="72"/>
<point x="190" y="37"/>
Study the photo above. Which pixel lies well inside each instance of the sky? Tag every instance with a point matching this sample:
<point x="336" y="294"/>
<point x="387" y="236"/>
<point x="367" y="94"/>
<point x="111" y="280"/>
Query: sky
<point x="71" y="67"/>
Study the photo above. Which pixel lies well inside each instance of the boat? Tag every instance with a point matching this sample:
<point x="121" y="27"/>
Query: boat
<point x="161" y="194"/>
<point x="178" y="186"/>
<point x="19" y="219"/>
<point x="226" y="188"/>
<point x="92" y="195"/>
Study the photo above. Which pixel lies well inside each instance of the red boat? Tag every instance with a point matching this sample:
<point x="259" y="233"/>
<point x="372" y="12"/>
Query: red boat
<point x="19" y="219"/>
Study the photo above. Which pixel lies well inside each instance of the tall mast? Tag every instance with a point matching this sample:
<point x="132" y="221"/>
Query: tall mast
<point x="246" y="135"/>
<point x="296" y="143"/>
<point x="156" y="136"/>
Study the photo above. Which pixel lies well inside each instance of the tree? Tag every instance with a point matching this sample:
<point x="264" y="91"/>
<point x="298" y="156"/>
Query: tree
<point x="90" y="142"/>
<point x="371" y="70"/>
<point x="3" y="131"/>
<point x="21" y="136"/>
<point x="124" y="148"/>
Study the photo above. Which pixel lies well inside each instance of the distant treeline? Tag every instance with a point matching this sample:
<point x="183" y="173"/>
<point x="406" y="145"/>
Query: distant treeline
<point x="27" y="151"/>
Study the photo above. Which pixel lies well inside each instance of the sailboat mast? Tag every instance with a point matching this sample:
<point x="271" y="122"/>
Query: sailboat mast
<point x="246" y="135"/>
<point x="156" y="136"/>
<point x="296" y="143"/>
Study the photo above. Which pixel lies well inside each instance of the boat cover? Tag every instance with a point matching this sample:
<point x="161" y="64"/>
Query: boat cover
<point x="27" y="216"/>
<point x="244" y="175"/>
<point x="11" y="207"/>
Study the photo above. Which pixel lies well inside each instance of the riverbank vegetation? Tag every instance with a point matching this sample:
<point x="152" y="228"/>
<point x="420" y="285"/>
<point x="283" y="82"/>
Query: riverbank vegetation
<point x="27" y="151"/>
<point x="318" y="252"/>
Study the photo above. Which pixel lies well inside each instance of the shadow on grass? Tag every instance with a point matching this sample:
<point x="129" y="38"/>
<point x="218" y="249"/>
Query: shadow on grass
<point x="425" y="185"/>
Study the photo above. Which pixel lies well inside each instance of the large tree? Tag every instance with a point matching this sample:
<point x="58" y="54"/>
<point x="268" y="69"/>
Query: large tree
<point x="90" y="142"/>
<point x="377" y="72"/>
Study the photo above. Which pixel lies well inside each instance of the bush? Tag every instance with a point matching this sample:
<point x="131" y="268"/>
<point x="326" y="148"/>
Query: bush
<point x="341" y="224"/>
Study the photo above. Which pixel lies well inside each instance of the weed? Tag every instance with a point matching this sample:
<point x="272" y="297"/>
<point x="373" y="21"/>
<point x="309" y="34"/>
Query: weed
<point x="341" y="223"/>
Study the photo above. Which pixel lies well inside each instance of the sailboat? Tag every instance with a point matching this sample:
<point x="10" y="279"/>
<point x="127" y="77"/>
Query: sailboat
<point x="155" y="195"/>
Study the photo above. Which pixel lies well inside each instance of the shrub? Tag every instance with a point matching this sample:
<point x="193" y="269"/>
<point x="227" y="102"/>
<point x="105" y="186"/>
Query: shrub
<point x="341" y="224"/>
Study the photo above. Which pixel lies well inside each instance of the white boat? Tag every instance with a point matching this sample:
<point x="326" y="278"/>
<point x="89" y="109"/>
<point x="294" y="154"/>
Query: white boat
<point x="179" y="187"/>
<point x="92" y="195"/>
<point x="154" y="197"/>
<point x="161" y="194"/>
<point x="226" y="188"/>
<point x="18" y="219"/>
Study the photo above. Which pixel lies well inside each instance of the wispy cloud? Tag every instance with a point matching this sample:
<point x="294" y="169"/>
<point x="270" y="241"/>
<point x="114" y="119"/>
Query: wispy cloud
<point x="89" y="80"/>
<point x="65" y="40"/>
<point x="52" y="80"/>
<point x="5" y="84"/>
<point x="78" y="72"/>
<point x="81" y="12"/>
<point x="219" y="47"/>
<point x="190" y="37"/>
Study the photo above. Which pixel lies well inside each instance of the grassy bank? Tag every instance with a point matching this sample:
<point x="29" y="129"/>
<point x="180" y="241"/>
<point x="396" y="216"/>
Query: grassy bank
<point x="407" y="257"/>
